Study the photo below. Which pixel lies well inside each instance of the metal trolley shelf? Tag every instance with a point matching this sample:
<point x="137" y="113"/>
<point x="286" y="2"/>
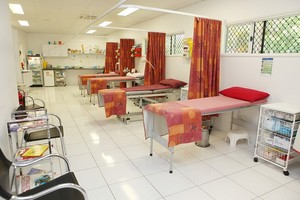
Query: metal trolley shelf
<point x="277" y="128"/>
<point x="60" y="77"/>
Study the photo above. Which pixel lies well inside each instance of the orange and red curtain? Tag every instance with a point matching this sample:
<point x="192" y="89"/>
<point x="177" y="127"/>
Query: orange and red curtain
<point x="126" y="60"/>
<point x="156" y="56"/>
<point x="205" y="60"/>
<point x="110" y="57"/>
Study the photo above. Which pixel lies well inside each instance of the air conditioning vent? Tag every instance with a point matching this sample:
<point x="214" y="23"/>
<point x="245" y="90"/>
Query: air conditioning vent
<point x="89" y="17"/>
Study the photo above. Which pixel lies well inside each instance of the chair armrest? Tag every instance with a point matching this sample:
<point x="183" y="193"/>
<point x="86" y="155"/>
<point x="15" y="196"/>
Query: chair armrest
<point x="29" y="98"/>
<point x="39" y="159"/>
<point x="33" y="100"/>
<point x="52" y="189"/>
<point x="21" y="113"/>
<point x="58" y="118"/>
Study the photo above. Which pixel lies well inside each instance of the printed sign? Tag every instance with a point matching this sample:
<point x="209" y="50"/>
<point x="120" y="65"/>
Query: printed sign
<point x="266" y="66"/>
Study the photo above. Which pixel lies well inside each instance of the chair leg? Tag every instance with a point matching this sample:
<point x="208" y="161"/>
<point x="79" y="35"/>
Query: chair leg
<point x="64" y="151"/>
<point x="50" y="147"/>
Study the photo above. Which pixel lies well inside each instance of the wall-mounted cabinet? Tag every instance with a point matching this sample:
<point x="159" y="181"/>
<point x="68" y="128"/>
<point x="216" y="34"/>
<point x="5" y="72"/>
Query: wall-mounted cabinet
<point x="55" y="50"/>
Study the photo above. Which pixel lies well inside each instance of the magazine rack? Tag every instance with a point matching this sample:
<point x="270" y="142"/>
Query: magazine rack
<point x="56" y="131"/>
<point x="24" y="121"/>
<point x="64" y="187"/>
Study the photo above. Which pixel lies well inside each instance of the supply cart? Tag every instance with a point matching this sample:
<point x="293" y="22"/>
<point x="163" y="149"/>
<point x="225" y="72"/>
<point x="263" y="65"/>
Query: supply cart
<point x="277" y="128"/>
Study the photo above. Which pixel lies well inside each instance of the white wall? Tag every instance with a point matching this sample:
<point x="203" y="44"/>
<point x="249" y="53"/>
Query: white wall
<point x="35" y="42"/>
<point x="236" y="70"/>
<point x="282" y="84"/>
<point x="8" y="80"/>
<point x="229" y="11"/>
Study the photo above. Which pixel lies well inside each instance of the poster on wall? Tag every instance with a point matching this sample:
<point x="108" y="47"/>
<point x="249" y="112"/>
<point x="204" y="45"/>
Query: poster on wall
<point x="266" y="66"/>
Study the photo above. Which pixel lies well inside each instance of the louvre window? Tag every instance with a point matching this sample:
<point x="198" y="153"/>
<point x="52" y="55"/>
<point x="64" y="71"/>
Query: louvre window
<point x="174" y="44"/>
<point x="280" y="35"/>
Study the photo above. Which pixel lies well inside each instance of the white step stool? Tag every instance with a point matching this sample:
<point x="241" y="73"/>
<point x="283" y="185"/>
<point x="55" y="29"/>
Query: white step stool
<point x="237" y="134"/>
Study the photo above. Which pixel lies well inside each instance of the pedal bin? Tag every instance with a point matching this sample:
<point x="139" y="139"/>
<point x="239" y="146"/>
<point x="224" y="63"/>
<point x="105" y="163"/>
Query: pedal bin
<point x="204" y="142"/>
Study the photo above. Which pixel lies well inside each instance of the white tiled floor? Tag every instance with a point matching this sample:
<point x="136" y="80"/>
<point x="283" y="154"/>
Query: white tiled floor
<point x="111" y="160"/>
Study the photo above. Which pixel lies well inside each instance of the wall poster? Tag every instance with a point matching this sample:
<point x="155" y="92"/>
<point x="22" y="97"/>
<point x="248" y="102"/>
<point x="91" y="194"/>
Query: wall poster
<point x="266" y="66"/>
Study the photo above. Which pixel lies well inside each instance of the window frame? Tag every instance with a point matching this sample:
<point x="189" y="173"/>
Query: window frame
<point x="262" y="46"/>
<point x="173" y="51"/>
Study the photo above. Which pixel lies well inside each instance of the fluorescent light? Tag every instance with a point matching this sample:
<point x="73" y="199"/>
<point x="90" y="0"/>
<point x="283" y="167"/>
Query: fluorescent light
<point x="165" y="11"/>
<point x="91" y="31"/>
<point x="23" y="23"/>
<point x="16" y="8"/>
<point x="105" y="23"/>
<point x="128" y="11"/>
<point x="122" y="28"/>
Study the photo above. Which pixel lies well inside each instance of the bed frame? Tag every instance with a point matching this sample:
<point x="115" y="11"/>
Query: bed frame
<point x="140" y="98"/>
<point x="82" y="80"/>
<point x="155" y="125"/>
<point x="110" y="82"/>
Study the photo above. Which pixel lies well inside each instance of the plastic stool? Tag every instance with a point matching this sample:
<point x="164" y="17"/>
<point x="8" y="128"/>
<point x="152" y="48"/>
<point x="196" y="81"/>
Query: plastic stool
<point x="237" y="134"/>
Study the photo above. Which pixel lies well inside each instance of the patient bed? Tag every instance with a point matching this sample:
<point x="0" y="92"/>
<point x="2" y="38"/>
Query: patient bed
<point x="82" y="79"/>
<point x="139" y="94"/>
<point x="95" y="84"/>
<point x="182" y="120"/>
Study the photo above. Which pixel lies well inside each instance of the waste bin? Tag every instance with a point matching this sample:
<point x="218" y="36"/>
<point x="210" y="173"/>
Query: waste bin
<point x="204" y="142"/>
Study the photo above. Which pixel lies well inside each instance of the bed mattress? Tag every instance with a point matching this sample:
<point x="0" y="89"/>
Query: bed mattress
<point x="217" y="104"/>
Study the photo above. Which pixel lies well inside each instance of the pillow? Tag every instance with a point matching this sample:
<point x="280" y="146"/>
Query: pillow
<point x="173" y="83"/>
<point x="244" y="94"/>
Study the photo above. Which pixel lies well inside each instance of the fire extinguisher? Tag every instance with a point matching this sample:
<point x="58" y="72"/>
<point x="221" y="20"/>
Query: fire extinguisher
<point x="21" y="96"/>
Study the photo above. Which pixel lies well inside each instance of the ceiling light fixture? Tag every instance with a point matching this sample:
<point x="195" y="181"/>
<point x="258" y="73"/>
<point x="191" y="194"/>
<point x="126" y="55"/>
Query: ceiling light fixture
<point x="116" y="6"/>
<point x="121" y="28"/>
<point x="105" y="23"/>
<point x="16" y="8"/>
<point x="163" y="10"/>
<point x="91" y="31"/>
<point x="23" y="23"/>
<point x="128" y="11"/>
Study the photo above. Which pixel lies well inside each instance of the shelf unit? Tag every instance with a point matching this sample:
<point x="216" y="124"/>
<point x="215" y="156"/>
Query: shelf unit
<point x="27" y="176"/>
<point x="60" y="77"/>
<point x="74" y="54"/>
<point x="34" y="63"/>
<point x="277" y="128"/>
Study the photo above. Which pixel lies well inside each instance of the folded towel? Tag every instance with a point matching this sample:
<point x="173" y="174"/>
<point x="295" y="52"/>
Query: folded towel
<point x="184" y="122"/>
<point x="114" y="101"/>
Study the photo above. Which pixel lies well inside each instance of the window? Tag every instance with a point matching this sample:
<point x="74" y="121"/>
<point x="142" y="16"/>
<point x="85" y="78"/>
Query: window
<point x="270" y="36"/>
<point x="237" y="39"/>
<point x="174" y="44"/>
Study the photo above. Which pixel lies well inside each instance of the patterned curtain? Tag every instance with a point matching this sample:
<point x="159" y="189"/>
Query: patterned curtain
<point x="157" y="57"/>
<point x="126" y="60"/>
<point x="205" y="60"/>
<point x="110" y="57"/>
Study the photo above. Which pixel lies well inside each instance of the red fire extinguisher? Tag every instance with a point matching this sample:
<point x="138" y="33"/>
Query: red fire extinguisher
<point x="21" y="96"/>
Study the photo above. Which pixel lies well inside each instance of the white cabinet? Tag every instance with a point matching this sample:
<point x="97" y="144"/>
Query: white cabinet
<point x="277" y="128"/>
<point x="27" y="77"/>
<point x="49" y="78"/>
<point x="55" y="50"/>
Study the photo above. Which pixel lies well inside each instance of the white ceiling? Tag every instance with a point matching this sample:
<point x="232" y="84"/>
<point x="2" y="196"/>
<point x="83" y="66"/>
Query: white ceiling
<point x="63" y="16"/>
